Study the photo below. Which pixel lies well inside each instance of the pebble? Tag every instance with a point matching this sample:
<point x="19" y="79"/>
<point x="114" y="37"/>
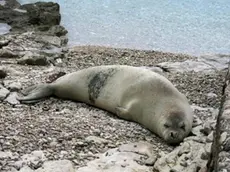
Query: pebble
<point x="3" y="93"/>
<point x="12" y="98"/>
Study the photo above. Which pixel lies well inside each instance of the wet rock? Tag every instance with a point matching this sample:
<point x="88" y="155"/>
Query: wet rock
<point x="128" y="158"/>
<point x="4" y="53"/>
<point x="3" y="92"/>
<point x="33" y="59"/>
<point x="12" y="98"/>
<point x="57" y="166"/>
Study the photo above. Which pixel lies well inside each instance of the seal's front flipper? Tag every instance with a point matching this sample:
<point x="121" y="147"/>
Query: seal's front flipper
<point x="36" y="93"/>
<point x="122" y="112"/>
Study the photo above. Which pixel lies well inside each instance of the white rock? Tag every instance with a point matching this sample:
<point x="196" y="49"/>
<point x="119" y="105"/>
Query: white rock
<point x="57" y="166"/>
<point x="122" y="159"/>
<point x="3" y="93"/>
<point x="26" y="169"/>
<point x="12" y="98"/>
<point x="5" y="155"/>
<point x="184" y="158"/>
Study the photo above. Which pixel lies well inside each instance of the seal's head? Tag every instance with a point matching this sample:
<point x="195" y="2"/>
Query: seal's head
<point x="175" y="127"/>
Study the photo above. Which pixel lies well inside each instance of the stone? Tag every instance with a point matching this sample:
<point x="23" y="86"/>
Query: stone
<point x="35" y="159"/>
<point x="33" y="59"/>
<point x="210" y="137"/>
<point x="26" y="169"/>
<point x="12" y="98"/>
<point x="3" y="73"/>
<point x="52" y="40"/>
<point x="96" y="139"/>
<point x="207" y="63"/>
<point x="5" y="155"/>
<point x="4" y="53"/>
<point x="57" y="30"/>
<point x="3" y="93"/>
<point x="43" y="13"/>
<point x="187" y="157"/>
<point x="4" y="42"/>
<point x="57" y="166"/>
<point x="15" y="86"/>
<point x="128" y="158"/>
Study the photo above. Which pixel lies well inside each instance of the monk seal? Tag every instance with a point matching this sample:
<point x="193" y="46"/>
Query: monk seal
<point x="132" y="93"/>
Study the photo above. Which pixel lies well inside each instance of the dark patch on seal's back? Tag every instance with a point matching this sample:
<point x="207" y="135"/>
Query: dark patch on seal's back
<point x="97" y="82"/>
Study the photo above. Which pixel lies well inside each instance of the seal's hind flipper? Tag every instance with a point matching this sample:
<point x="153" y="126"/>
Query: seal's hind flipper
<point x="27" y="91"/>
<point x="36" y="93"/>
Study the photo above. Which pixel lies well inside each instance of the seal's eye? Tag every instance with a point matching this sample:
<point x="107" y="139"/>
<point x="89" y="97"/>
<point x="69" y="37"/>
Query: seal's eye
<point x="166" y="125"/>
<point x="183" y="127"/>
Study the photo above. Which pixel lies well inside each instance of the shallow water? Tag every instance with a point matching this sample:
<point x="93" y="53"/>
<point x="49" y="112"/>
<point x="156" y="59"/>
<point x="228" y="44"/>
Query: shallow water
<point x="4" y="28"/>
<point x="193" y="27"/>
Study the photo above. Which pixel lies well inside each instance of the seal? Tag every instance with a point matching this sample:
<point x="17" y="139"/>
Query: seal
<point x="132" y="93"/>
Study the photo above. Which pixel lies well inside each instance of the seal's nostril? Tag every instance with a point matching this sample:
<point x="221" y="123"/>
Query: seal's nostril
<point x="172" y="134"/>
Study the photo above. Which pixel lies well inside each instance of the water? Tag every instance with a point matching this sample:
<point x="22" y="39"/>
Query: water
<point x="185" y="26"/>
<point x="4" y="28"/>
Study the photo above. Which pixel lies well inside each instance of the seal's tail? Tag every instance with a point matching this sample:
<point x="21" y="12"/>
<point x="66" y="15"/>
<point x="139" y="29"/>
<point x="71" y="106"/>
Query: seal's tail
<point x="36" y="93"/>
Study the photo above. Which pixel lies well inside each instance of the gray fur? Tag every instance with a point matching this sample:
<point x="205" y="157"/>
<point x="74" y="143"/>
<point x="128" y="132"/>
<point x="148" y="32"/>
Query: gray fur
<point x="97" y="83"/>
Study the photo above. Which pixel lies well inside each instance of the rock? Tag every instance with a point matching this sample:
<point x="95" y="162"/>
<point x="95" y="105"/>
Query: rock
<point x="12" y="98"/>
<point x="15" y="86"/>
<point x="57" y="166"/>
<point x="210" y="137"/>
<point x="52" y="40"/>
<point x="123" y="158"/>
<point x="197" y="130"/>
<point x="223" y="137"/>
<point x="12" y="4"/>
<point x="57" y="30"/>
<point x="3" y="93"/>
<point x="43" y="13"/>
<point x="26" y="169"/>
<point x="202" y="64"/>
<point x="185" y="158"/>
<point x="35" y="159"/>
<point x="212" y="95"/>
<point x="226" y="146"/>
<point x="4" y="53"/>
<point x="3" y="73"/>
<point x="96" y="139"/>
<point x="4" y="42"/>
<point x="33" y="59"/>
<point x="5" y="155"/>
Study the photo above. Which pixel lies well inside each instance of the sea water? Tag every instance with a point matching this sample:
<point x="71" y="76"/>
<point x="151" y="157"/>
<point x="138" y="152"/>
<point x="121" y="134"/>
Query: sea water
<point x="184" y="26"/>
